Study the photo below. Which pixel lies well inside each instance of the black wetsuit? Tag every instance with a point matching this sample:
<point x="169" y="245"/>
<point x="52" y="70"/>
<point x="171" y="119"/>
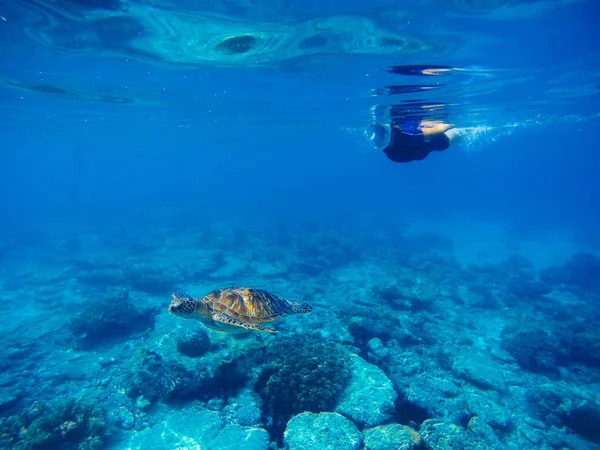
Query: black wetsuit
<point x="406" y="147"/>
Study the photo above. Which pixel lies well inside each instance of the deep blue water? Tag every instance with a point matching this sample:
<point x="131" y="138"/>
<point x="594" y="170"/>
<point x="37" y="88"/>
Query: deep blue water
<point x="141" y="139"/>
<point x="286" y="126"/>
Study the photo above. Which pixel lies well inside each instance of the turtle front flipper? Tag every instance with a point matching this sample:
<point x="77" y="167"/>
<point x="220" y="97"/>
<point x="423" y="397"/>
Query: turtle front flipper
<point x="223" y="318"/>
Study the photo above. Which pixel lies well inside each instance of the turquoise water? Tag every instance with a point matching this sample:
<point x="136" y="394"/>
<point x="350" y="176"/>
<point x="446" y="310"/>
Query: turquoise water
<point x="160" y="147"/>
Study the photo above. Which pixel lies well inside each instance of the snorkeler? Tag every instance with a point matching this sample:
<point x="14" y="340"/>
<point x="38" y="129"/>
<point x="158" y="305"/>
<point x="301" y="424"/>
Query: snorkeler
<point x="412" y="141"/>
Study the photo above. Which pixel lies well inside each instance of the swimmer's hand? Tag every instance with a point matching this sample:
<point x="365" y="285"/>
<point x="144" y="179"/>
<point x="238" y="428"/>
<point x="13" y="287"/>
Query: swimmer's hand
<point x="454" y="134"/>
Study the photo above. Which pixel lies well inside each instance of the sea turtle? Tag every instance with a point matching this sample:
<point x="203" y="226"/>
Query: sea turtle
<point x="235" y="309"/>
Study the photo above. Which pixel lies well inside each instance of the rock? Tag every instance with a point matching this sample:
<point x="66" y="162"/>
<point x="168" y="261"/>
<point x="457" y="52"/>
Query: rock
<point x="235" y="437"/>
<point x="194" y="344"/>
<point x="8" y="400"/>
<point x="533" y="349"/>
<point x="494" y="414"/>
<point x="376" y="347"/>
<point x="276" y="269"/>
<point x="369" y="397"/>
<point x="207" y="430"/>
<point x="141" y="402"/>
<point x="391" y="437"/>
<point x="427" y="395"/>
<point x="448" y="388"/>
<point x="480" y="370"/>
<point x="484" y="432"/>
<point x="215" y="404"/>
<point x="439" y="435"/>
<point x="244" y="409"/>
<point x="323" y="431"/>
<point x="232" y="268"/>
<point x="126" y="419"/>
<point x="98" y="323"/>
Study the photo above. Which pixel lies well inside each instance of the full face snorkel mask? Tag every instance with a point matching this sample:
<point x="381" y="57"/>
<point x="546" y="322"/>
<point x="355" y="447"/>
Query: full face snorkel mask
<point x="379" y="136"/>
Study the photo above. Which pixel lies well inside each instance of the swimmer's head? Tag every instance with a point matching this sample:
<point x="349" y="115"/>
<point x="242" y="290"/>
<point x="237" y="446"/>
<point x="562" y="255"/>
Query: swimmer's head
<point x="379" y="135"/>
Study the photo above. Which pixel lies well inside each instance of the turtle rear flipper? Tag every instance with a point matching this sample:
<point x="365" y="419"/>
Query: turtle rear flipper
<point x="223" y="318"/>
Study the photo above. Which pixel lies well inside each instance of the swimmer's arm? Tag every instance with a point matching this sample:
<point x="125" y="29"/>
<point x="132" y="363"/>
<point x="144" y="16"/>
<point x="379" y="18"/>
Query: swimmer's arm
<point x="433" y="128"/>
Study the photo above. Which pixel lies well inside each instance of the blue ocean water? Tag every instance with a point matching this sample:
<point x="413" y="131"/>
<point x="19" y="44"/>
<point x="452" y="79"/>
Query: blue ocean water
<point x="155" y="150"/>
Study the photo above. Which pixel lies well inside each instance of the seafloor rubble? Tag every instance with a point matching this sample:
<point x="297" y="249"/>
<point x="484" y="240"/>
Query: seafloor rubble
<point x="406" y="347"/>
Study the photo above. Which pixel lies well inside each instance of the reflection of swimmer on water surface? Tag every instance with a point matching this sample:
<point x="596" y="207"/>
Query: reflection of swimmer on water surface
<point x="412" y="140"/>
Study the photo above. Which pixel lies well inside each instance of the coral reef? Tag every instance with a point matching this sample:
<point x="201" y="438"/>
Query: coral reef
<point x="157" y="379"/>
<point x="61" y="424"/>
<point x="581" y="273"/>
<point x="407" y="348"/>
<point x="98" y="323"/>
<point x="306" y="375"/>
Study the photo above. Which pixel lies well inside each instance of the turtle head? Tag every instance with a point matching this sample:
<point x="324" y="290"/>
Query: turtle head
<point x="182" y="305"/>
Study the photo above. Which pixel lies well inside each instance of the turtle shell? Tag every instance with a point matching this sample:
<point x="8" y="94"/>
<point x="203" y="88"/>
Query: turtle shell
<point x="253" y="305"/>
